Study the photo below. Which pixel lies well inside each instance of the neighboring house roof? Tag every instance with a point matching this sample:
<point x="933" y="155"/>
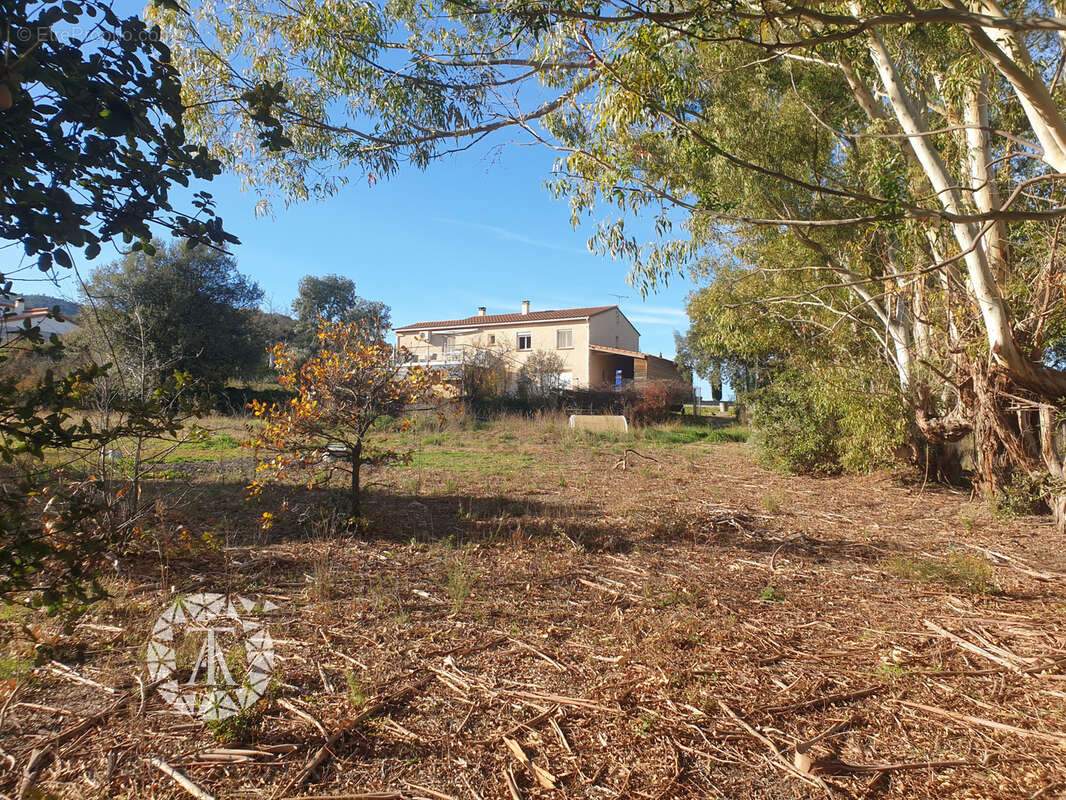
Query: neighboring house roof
<point x="13" y="318"/>
<point x="477" y="321"/>
<point x="618" y="351"/>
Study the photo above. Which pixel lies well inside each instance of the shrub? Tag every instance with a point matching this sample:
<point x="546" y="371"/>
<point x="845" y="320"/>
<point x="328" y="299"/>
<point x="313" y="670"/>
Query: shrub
<point x="237" y="400"/>
<point x="1024" y="494"/>
<point x="653" y="402"/>
<point x="826" y="422"/>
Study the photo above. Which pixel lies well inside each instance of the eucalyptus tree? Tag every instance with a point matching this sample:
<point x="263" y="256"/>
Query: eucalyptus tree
<point x="886" y="175"/>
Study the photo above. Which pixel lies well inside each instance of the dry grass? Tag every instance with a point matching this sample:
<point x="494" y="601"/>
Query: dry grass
<point x="658" y="632"/>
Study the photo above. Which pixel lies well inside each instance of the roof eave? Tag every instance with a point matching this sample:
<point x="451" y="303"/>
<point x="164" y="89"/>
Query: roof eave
<point x="513" y="324"/>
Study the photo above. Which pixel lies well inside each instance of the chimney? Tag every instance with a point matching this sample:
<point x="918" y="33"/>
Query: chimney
<point x="20" y="305"/>
<point x="525" y="306"/>
<point x="481" y="311"/>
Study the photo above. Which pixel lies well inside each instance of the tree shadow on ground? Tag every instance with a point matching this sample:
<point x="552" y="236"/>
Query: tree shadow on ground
<point x="396" y="517"/>
<point x="391" y="515"/>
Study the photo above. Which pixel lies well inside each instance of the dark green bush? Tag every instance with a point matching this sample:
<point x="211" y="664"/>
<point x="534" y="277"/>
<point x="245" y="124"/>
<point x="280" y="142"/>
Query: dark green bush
<point x="826" y="422"/>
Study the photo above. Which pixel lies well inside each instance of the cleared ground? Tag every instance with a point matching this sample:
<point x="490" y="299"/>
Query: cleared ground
<point x="524" y="613"/>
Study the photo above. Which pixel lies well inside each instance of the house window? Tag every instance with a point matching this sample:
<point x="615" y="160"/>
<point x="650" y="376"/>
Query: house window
<point x="525" y="341"/>
<point x="616" y="341"/>
<point x="492" y="338"/>
<point x="564" y="340"/>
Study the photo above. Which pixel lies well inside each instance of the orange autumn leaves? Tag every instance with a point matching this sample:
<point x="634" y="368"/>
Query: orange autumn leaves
<point x="352" y="382"/>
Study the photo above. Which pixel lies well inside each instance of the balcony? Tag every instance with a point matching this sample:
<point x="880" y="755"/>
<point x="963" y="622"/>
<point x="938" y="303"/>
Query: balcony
<point x="435" y="356"/>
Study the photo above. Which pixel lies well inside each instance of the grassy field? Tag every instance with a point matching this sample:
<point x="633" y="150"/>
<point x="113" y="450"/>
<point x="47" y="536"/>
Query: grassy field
<point x="648" y="616"/>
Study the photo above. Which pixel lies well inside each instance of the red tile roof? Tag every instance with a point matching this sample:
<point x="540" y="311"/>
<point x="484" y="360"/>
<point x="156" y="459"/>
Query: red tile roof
<point x="506" y="319"/>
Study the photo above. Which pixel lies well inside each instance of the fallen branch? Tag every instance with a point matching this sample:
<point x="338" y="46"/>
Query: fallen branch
<point x="430" y="792"/>
<point x="63" y="671"/>
<point x="965" y="644"/>
<point x="825" y="700"/>
<point x="834" y="766"/>
<point x="303" y="715"/>
<point x="180" y="778"/>
<point x="38" y="759"/>
<point x="512" y="784"/>
<point x="778" y="760"/>
<point x="1018" y="565"/>
<point x="369" y="710"/>
<point x="542" y="656"/>
<point x="95" y="719"/>
<point x="1057" y="738"/>
<point x="356" y="796"/>
<point x="622" y="464"/>
<point x="545" y="778"/>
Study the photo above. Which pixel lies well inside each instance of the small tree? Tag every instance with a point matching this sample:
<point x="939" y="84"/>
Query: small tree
<point x="541" y="375"/>
<point x="57" y="526"/>
<point x="340" y="393"/>
<point x="484" y="378"/>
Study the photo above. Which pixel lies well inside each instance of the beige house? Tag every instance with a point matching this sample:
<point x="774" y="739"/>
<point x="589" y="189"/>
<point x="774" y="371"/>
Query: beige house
<point x="598" y="346"/>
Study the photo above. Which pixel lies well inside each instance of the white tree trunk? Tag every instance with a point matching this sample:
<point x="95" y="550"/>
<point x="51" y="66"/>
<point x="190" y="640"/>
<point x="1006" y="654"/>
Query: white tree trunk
<point x="982" y="177"/>
<point x="994" y="312"/>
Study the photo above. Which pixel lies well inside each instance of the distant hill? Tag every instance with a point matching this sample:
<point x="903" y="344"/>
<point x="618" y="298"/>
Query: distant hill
<point x="66" y="307"/>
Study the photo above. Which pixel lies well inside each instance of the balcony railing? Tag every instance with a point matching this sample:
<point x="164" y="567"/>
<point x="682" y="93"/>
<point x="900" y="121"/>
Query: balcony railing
<point x="431" y="355"/>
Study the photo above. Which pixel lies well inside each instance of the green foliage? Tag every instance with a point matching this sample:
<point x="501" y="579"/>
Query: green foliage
<point x="687" y="434"/>
<point x="237" y="727"/>
<point x="1022" y="495"/>
<point x="181" y="308"/>
<point x="237" y="400"/>
<point x="221" y="441"/>
<point x="825" y="422"/>
<point x="48" y="536"/>
<point x="93" y="140"/>
<point x="92" y="133"/>
<point x="770" y="594"/>
<point x="890" y="671"/>
<point x="766" y="154"/>
<point x="15" y="668"/>
<point x="694" y="359"/>
<point x="357" y="694"/>
<point x="460" y="579"/>
<point x="971" y="574"/>
<point x="333" y="298"/>
<point x="773" y="501"/>
<point x="56" y="527"/>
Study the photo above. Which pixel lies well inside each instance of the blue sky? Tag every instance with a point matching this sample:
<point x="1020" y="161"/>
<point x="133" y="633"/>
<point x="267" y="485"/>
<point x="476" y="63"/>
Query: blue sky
<point x="475" y="228"/>
<point x="438" y="244"/>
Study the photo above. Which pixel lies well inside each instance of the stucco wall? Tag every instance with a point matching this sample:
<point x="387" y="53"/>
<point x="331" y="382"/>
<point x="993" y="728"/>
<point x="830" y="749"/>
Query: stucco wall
<point x="575" y="359"/>
<point x="611" y="329"/>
